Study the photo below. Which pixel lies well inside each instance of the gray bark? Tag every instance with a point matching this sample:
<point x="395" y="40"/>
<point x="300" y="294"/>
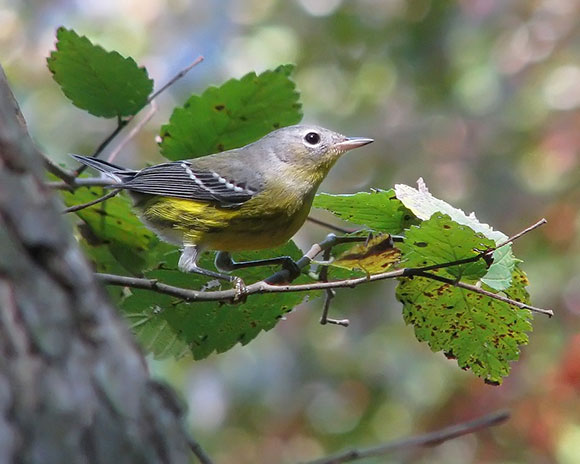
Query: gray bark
<point x="74" y="387"/>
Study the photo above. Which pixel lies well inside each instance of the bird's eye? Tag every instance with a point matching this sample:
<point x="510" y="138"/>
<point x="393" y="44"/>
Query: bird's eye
<point x="312" y="138"/>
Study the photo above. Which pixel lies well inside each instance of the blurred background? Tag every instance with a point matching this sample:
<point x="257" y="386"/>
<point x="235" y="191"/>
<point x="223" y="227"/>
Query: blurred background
<point x="479" y="97"/>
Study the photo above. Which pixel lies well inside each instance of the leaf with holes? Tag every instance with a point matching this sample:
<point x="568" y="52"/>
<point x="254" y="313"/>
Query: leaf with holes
<point x="103" y="83"/>
<point x="232" y="115"/>
<point x="482" y="333"/>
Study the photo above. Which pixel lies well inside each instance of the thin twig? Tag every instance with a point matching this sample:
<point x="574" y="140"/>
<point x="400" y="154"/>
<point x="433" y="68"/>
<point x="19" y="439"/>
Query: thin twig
<point x="198" y="451"/>
<point x="60" y="172"/>
<point x="328" y="296"/>
<point x="267" y="286"/>
<point x="175" y="78"/>
<point x="133" y="132"/>
<point x="76" y="208"/>
<point x="330" y="226"/>
<point x="122" y="122"/>
<point x="81" y="182"/>
<point x="420" y="441"/>
<point x="513" y="238"/>
<point x="484" y="253"/>
<point x="481" y="291"/>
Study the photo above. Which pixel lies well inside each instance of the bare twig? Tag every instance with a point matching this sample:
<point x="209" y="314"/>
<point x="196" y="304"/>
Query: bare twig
<point x="481" y="291"/>
<point x="60" y="172"/>
<point x="76" y="208"/>
<point x="133" y="132"/>
<point x="330" y="226"/>
<point x="268" y="285"/>
<point x="122" y="122"/>
<point x="328" y="296"/>
<point x="513" y="238"/>
<point x="175" y="78"/>
<point x="428" y="439"/>
<point x="81" y="182"/>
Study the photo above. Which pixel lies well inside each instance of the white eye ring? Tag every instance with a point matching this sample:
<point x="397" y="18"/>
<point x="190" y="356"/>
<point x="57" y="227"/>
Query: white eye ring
<point x="312" y="138"/>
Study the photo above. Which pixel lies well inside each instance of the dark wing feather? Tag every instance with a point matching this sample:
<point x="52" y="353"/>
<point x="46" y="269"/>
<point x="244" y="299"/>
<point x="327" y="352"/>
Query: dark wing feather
<point x="180" y="180"/>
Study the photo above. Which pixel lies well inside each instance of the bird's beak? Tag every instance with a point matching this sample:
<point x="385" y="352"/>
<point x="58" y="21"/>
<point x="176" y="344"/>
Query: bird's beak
<point x="353" y="142"/>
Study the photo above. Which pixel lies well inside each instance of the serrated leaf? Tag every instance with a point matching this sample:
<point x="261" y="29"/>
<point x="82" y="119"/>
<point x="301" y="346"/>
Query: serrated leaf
<point x="440" y="240"/>
<point x="375" y="256"/>
<point x="169" y="327"/>
<point x="114" y="226"/>
<point x="379" y="210"/>
<point x="424" y="205"/>
<point x="103" y="83"/>
<point x="239" y="112"/>
<point x="482" y="333"/>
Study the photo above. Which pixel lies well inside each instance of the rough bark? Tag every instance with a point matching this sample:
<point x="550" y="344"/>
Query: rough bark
<point x="74" y="387"/>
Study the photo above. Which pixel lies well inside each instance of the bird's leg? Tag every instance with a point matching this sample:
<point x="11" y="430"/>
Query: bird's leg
<point x="188" y="263"/>
<point x="224" y="262"/>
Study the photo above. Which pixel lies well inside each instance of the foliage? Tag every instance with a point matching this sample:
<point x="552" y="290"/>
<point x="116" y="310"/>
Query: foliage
<point x="230" y="116"/>
<point x="103" y="83"/>
<point x="482" y="333"/>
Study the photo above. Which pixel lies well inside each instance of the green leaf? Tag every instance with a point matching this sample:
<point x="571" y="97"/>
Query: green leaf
<point x="424" y="205"/>
<point x="170" y="327"/>
<point x="499" y="274"/>
<point x="103" y="83"/>
<point x="237" y="113"/>
<point x="378" y="210"/>
<point x="441" y="240"/>
<point x="482" y="333"/>
<point x="114" y="226"/>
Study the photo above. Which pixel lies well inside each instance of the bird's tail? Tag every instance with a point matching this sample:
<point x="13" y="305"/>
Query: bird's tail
<point x="117" y="173"/>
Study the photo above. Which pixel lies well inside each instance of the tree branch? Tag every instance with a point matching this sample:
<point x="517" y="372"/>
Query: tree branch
<point x="73" y="379"/>
<point x="272" y="283"/>
<point x="428" y="439"/>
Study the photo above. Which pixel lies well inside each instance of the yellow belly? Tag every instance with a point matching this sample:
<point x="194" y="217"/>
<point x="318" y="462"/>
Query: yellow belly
<point x="255" y="225"/>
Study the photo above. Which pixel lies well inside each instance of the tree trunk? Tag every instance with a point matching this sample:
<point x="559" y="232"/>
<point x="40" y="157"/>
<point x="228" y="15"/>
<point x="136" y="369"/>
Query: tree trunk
<point x="74" y="387"/>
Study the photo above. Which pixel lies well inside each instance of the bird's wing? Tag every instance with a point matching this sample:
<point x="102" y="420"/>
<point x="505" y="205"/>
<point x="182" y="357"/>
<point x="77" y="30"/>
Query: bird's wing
<point x="181" y="179"/>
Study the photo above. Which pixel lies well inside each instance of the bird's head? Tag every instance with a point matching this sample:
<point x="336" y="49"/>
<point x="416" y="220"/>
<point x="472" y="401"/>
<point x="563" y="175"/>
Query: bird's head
<point x="310" y="148"/>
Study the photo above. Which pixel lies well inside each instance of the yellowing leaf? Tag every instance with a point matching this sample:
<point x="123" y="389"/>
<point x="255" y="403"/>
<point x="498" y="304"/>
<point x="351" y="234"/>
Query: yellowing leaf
<point x="373" y="257"/>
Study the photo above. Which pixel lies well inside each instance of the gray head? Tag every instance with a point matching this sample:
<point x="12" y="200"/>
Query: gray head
<point x="310" y="146"/>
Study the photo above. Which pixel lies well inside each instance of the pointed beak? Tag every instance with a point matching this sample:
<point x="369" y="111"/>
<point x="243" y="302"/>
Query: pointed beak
<point x="353" y="142"/>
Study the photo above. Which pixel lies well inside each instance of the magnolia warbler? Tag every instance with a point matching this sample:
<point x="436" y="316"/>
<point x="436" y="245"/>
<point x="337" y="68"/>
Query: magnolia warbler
<point x="249" y="198"/>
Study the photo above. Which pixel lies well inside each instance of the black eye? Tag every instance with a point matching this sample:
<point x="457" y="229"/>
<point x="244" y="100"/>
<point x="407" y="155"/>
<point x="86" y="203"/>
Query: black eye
<point x="312" y="138"/>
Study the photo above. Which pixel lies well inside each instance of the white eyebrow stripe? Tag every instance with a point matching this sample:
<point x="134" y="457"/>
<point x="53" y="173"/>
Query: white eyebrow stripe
<point x="193" y="177"/>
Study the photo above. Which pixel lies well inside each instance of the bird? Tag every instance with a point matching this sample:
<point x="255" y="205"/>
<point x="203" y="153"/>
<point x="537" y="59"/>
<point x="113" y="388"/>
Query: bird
<point x="249" y="198"/>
